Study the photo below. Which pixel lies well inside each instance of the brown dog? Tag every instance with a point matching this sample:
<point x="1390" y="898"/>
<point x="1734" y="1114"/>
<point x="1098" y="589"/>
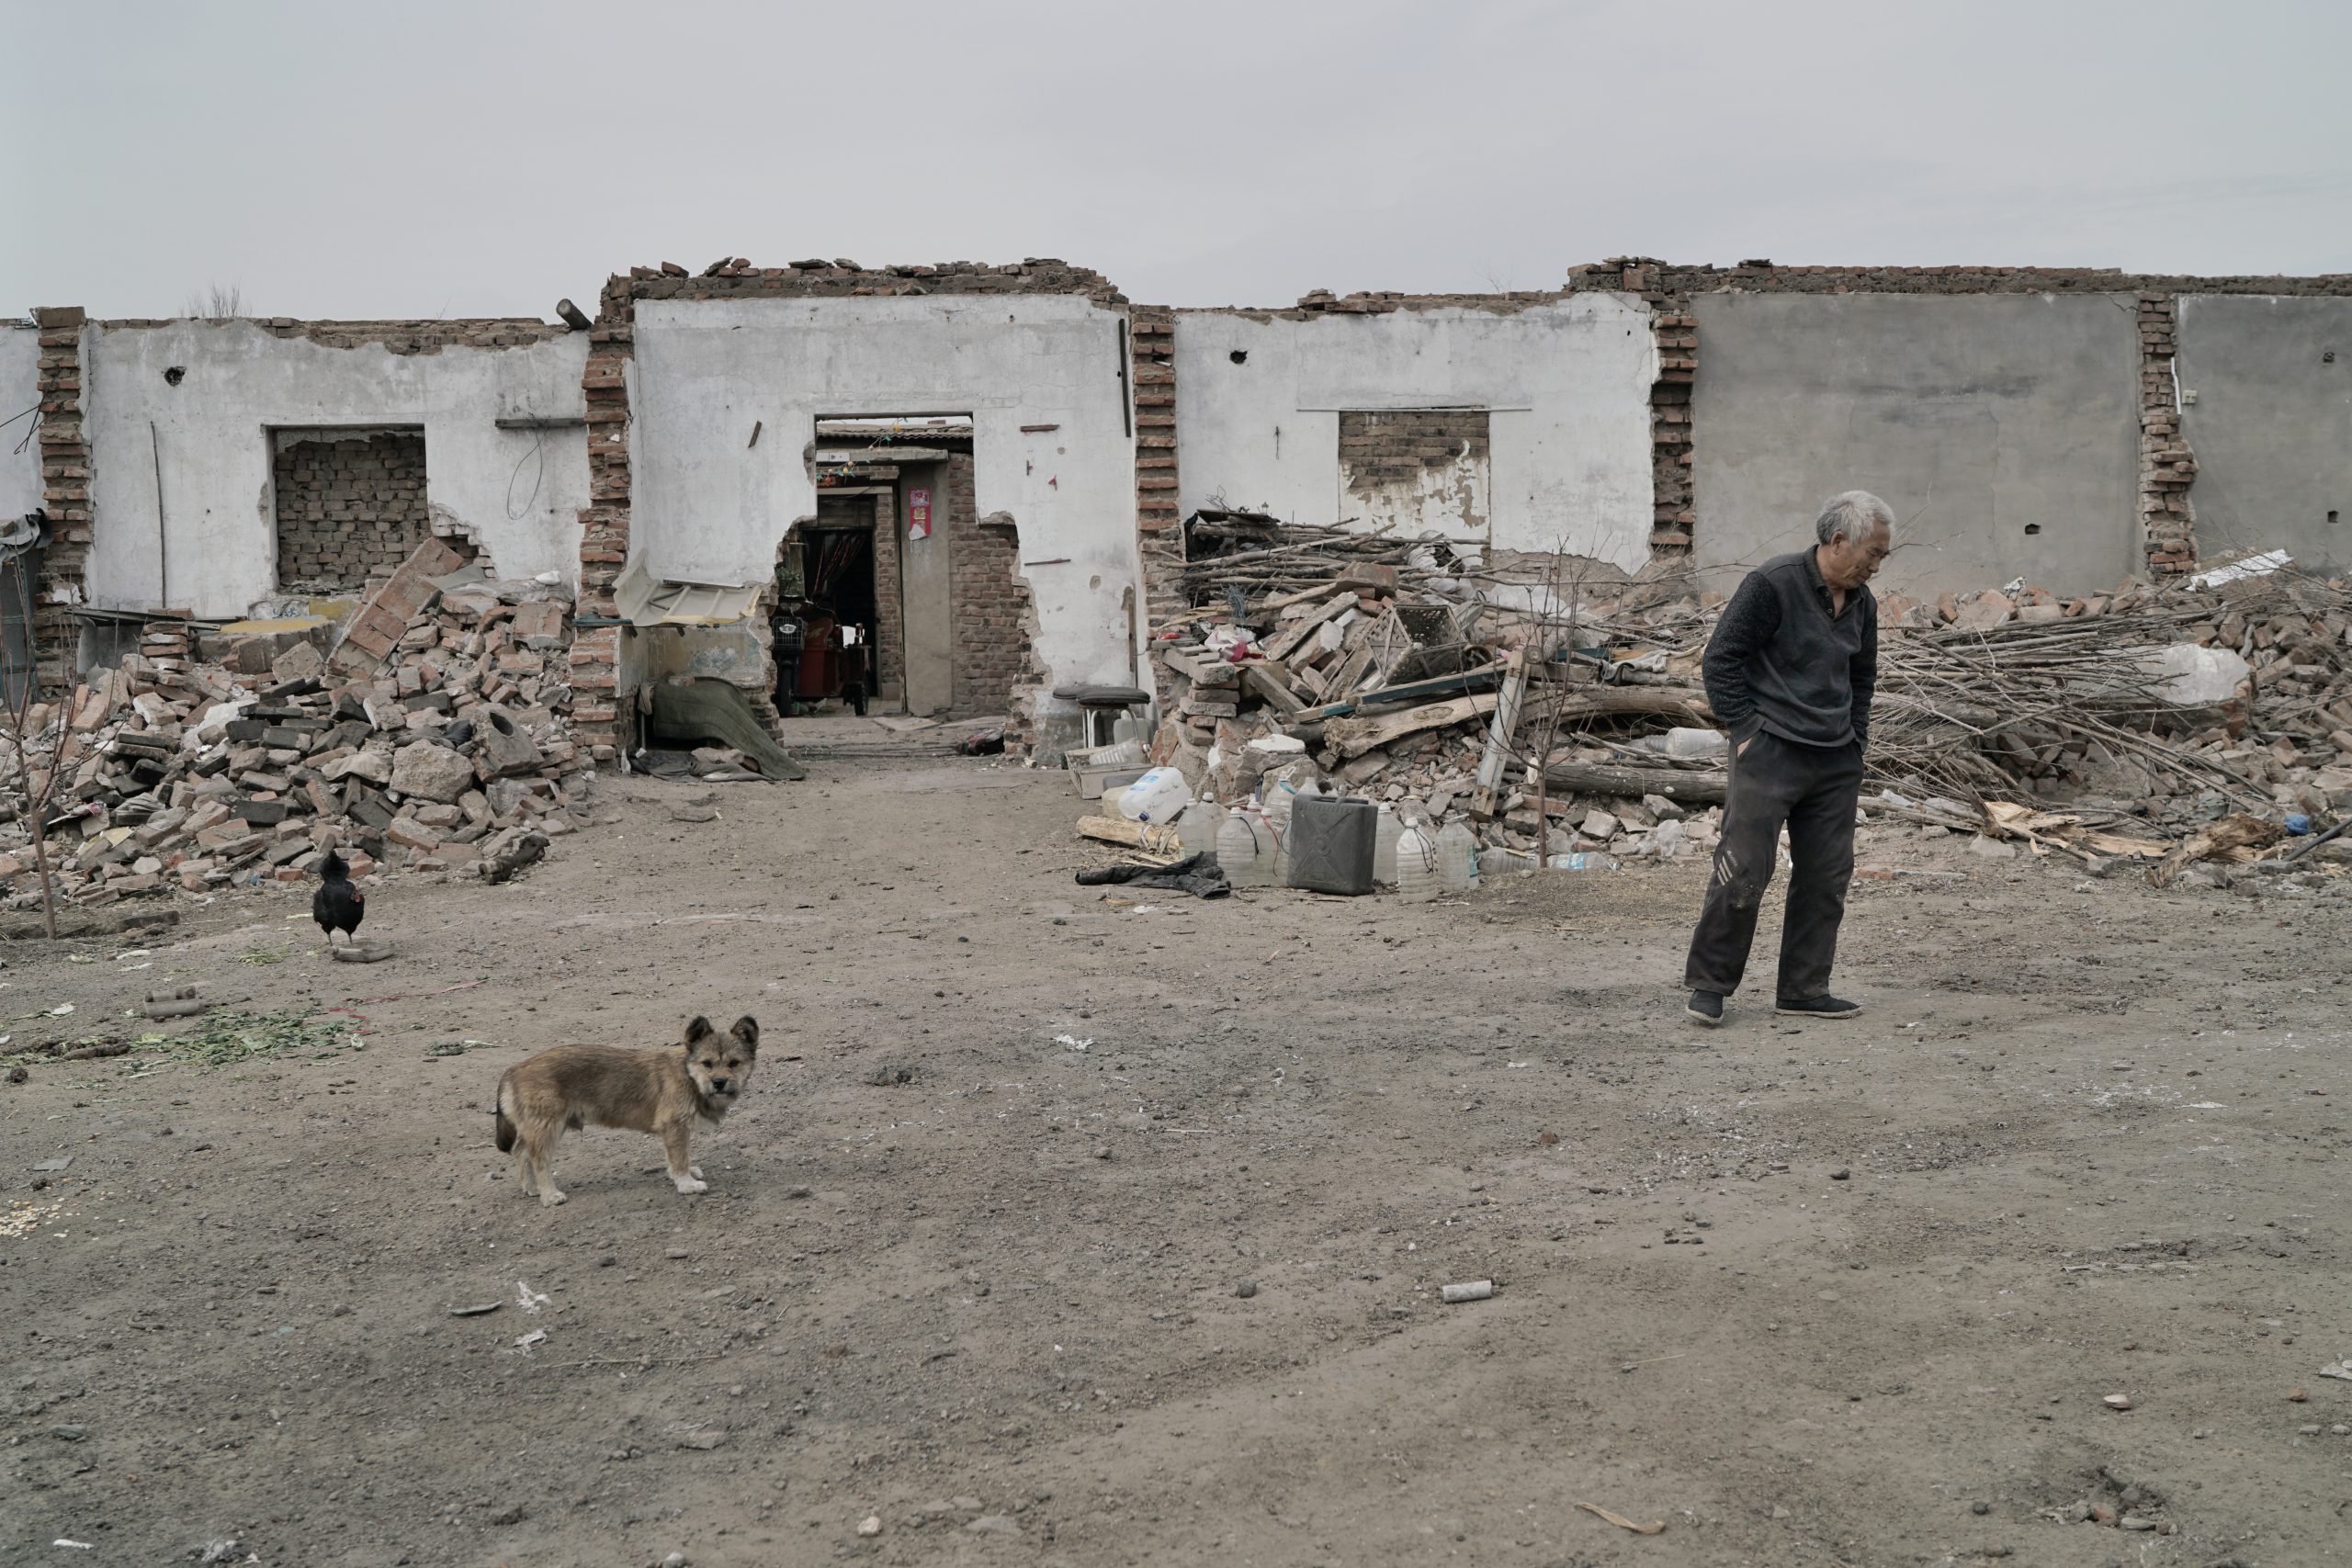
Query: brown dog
<point x="660" y="1091"/>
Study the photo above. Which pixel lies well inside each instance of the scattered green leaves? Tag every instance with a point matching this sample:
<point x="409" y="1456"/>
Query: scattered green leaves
<point x="266" y="955"/>
<point x="224" y="1039"/>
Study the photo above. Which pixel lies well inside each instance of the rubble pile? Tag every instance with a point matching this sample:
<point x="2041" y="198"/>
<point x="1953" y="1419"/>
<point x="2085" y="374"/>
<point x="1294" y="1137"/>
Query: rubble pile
<point x="432" y="739"/>
<point x="1317" y="660"/>
<point x="2225" y="690"/>
<point x="1560" y="720"/>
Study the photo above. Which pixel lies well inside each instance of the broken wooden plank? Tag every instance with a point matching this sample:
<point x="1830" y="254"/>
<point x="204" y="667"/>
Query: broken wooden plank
<point x="1154" y="838"/>
<point x="1352" y="736"/>
<point x="2236" y="831"/>
<point x="1281" y="647"/>
<point x="1490" y="765"/>
<point x="1436" y="685"/>
<point x="1686" y="704"/>
<point x="1264" y="680"/>
<point x="1602" y="778"/>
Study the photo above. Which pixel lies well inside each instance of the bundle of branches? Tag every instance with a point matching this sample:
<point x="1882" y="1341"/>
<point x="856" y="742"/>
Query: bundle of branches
<point x="1265" y="557"/>
<point x="1981" y="717"/>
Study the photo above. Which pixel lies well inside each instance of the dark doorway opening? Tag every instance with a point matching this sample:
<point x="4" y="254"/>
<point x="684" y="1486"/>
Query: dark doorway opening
<point x="838" y="614"/>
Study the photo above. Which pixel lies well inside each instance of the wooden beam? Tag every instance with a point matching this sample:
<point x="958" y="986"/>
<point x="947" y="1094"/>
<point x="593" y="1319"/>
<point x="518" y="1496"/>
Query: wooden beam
<point x="1354" y="737"/>
<point x="1300" y="630"/>
<point x="1414" y="691"/>
<point x="1686" y="704"/>
<point x="1261" y="678"/>
<point x="1490" y="765"/>
<point x="1675" y="784"/>
<point x="1155" y="838"/>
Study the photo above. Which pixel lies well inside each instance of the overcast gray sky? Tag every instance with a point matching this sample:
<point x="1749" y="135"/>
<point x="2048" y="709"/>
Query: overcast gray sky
<point x="420" y="158"/>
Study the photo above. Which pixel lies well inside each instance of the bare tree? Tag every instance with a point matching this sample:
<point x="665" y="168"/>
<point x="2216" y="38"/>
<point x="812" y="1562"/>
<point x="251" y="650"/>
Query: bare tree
<point x="216" y="302"/>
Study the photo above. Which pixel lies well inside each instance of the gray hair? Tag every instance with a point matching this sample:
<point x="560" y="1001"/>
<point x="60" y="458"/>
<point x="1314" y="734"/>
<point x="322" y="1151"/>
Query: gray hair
<point x="1854" y="515"/>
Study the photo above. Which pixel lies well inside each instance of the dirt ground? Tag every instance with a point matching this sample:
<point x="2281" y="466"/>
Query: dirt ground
<point x="1060" y="1229"/>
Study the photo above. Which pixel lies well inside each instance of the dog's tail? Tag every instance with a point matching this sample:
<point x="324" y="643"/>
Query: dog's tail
<point x="504" y="1124"/>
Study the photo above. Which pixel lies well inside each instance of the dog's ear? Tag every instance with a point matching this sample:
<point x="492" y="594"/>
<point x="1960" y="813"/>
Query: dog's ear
<point x="747" y="1034"/>
<point x="699" y="1029"/>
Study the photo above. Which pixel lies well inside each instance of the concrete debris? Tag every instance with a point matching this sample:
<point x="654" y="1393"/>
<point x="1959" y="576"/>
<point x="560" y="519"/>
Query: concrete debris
<point x="208" y="759"/>
<point x="1557" y="718"/>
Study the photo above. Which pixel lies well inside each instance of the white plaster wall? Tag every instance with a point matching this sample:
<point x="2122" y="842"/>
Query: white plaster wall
<point x="241" y="381"/>
<point x="19" y="390"/>
<point x="1568" y="384"/>
<point x="708" y="506"/>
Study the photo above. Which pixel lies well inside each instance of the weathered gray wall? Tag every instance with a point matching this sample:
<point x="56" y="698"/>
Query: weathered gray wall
<point x="20" y="481"/>
<point x="2271" y="426"/>
<point x="1997" y="413"/>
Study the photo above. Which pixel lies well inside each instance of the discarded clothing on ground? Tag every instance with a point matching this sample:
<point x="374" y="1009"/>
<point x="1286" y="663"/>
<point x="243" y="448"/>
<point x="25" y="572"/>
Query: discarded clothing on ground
<point x="1198" y="875"/>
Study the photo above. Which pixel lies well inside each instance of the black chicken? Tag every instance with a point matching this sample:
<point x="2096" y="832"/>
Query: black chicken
<point x="337" y="906"/>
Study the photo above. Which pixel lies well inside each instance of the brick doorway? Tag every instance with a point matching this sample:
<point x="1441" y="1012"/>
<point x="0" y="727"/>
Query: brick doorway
<point x="350" y="504"/>
<point x="960" y="643"/>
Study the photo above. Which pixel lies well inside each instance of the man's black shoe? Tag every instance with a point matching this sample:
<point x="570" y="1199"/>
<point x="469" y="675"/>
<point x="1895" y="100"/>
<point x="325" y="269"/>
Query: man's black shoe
<point x="1818" y="1007"/>
<point x="1706" y="1007"/>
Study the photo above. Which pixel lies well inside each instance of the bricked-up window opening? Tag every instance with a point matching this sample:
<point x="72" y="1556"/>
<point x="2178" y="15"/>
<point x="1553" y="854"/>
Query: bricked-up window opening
<point x="350" y="504"/>
<point x="1416" y="470"/>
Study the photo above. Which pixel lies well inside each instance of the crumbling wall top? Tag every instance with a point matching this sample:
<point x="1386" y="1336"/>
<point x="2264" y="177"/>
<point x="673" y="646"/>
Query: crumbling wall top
<point x="398" y="336"/>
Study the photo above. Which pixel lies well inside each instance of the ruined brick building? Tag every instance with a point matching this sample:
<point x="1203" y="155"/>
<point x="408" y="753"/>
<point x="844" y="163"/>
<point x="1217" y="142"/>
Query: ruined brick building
<point x="986" y="466"/>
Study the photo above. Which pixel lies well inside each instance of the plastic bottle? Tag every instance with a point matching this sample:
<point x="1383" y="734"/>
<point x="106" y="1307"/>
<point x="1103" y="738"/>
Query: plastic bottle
<point x="1245" y="849"/>
<point x="1385" y="834"/>
<point x="1457" y="857"/>
<point x="1582" y="861"/>
<point x="1415" y="865"/>
<point x="1496" y="859"/>
<point x="1197" y="828"/>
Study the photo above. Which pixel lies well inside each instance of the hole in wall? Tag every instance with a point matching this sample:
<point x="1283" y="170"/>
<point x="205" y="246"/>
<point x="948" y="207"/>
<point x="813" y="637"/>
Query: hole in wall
<point x="2033" y="527"/>
<point x="1239" y="356"/>
<point x="173" y="377"/>
<point x="2331" y="517"/>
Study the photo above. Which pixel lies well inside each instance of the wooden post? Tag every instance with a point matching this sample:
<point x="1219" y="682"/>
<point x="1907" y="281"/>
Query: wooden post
<point x="1490" y="765"/>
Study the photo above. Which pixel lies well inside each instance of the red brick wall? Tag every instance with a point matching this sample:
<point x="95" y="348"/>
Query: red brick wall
<point x="989" y="602"/>
<point x="65" y="492"/>
<point x="1159" y="538"/>
<point x="349" y="507"/>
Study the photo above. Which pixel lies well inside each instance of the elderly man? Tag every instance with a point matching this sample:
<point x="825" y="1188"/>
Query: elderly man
<point x="1790" y="673"/>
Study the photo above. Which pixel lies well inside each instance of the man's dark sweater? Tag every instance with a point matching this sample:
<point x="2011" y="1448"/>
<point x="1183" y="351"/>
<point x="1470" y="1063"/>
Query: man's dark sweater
<point x="1781" y="660"/>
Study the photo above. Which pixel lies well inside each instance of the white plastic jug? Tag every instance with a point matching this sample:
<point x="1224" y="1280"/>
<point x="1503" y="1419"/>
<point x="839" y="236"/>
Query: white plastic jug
<point x="1417" y="880"/>
<point x="1156" y="796"/>
<point x="1457" y="857"/>
<point x="1197" y="828"/>
<point x="1245" y="849"/>
<point x="1386" y="831"/>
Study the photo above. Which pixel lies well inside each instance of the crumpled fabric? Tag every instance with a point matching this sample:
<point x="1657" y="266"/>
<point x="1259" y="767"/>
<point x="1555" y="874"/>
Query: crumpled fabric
<point x="1198" y="875"/>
